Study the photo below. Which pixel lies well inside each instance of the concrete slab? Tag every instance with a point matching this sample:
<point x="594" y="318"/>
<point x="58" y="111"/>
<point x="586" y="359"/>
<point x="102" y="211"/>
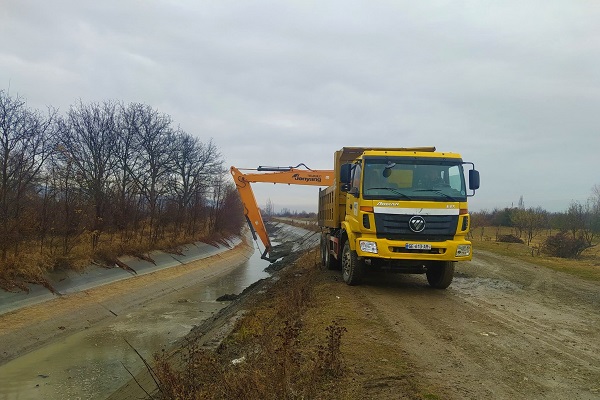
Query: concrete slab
<point x="66" y="282"/>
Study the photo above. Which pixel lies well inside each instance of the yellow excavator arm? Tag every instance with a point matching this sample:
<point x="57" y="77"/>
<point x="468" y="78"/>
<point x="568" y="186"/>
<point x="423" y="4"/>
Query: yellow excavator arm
<point x="286" y="175"/>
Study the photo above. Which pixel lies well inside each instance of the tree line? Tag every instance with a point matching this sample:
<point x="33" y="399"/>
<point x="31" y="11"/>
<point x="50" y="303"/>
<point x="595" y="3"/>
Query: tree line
<point x="105" y="177"/>
<point x="577" y="228"/>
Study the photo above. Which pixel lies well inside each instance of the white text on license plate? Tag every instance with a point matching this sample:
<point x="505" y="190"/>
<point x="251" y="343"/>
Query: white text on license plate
<point x="418" y="246"/>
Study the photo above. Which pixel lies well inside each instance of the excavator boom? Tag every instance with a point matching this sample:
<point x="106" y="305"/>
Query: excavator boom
<point x="285" y="175"/>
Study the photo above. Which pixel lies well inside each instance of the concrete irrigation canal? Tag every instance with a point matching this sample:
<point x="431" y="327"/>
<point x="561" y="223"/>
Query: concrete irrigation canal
<point x="81" y="343"/>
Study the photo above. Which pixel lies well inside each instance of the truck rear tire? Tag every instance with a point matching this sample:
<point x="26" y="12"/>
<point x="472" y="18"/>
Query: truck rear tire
<point x="353" y="268"/>
<point x="327" y="260"/>
<point x="440" y="274"/>
<point x="324" y="252"/>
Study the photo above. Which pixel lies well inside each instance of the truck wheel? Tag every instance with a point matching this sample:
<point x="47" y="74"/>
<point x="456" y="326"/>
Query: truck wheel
<point x="353" y="269"/>
<point x="327" y="260"/>
<point x="324" y="253"/>
<point x="440" y="274"/>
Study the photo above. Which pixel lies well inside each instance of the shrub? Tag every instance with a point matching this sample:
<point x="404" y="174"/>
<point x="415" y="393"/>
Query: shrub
<point x="510" y="239"/>
<point x="563" y="245"/>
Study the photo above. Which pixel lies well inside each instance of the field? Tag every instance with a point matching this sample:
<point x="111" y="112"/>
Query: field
<point x="586" y="266"/>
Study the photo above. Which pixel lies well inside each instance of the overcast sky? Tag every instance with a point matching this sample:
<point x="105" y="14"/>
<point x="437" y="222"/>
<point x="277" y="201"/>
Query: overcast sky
<point x="514" y="86"/>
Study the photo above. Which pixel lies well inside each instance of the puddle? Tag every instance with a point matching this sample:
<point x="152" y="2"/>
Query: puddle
<point x="92" y="364"/>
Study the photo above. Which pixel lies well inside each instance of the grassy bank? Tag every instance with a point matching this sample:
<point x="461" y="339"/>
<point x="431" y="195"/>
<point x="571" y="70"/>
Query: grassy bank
<point x="307" y="336"/>
<point x="586" y="266"/>
<point x="18" y="272"/>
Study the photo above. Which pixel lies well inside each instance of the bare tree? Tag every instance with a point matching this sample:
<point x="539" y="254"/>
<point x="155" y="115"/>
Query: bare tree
<point x="594" y="204"/>
<point x="153" y="160"/>
<point x="24" y="148"/>
<point x="69" y="215"/>
<point x="583" y="220"/>
<point x="269" y="208"/>
<point x="230" y="215"/>
<point x="125" y="190"/>
<point x="195" y="164"/>
<point x="89" y="141"/>
<point x="575" y="220"/>
<point x="529" y="221"/>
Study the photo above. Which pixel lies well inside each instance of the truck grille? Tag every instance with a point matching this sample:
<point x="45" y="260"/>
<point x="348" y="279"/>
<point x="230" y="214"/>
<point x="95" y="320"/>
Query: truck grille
<point x="395" y="227"/>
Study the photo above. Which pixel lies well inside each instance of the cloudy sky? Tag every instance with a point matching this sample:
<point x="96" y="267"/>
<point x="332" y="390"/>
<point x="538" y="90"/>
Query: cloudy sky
<point x="514" y="86"/>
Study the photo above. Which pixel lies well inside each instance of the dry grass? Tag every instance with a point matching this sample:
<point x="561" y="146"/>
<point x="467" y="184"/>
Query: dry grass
<point x="271" y="354"/>
<point x="18" y="272"/>
<point x="306" y="337"/>
<point x="31" y="267"/>
<point x="586" y="266"/>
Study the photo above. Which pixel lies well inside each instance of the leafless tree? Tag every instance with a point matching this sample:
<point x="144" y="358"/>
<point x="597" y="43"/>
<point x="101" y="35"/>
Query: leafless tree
<point x="575" y="220"/>
<point x="269" y="208"/>
<point x="195" y="165"/>
<point x="88" y="139"/>
<point x="529" y="221"/>
<point x="153" y="160"/>
<point x="231" y="211"/>
<point x="594" y="202"/>
<point x="24" y="148"/>
<point x="69" y="215"/>
<point x="125" y="212"/>
<point x="583" y="220"/>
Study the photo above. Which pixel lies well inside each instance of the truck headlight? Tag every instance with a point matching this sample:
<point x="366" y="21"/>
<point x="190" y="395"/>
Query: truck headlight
<point x="463" y="250"/>
<point x="368" y="247"/>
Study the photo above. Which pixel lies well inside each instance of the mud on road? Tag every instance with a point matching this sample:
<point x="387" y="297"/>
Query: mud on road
<point x="504" y="329"/>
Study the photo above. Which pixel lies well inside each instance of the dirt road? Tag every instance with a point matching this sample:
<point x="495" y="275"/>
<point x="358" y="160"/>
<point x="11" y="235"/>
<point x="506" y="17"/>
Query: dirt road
<point x="505" y="329"/>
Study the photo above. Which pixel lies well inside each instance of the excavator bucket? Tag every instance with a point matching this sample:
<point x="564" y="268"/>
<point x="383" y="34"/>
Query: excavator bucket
<point x="278" y="251"/>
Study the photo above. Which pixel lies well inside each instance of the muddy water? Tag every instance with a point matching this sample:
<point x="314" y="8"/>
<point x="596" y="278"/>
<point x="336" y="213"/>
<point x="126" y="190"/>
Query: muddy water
<point x="93" y="363"/>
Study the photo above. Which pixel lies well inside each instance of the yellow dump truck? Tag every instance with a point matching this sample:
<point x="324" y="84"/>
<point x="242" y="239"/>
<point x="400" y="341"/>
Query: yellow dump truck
<point x="397" y="209"/>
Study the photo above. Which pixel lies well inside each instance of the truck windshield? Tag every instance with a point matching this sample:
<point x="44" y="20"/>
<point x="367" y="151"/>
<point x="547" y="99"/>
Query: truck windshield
<point x="413" y="179"/>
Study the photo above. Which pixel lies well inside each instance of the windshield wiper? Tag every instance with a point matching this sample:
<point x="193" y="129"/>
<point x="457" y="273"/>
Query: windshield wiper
<point x="438" y="191"/>
<point x="396" y="191"/>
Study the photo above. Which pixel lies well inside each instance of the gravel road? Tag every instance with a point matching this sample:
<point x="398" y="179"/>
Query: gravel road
<point x="505" y="329"/>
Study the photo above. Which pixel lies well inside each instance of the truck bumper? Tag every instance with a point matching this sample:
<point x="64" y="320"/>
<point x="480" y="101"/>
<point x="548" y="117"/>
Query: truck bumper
<point x="450" y="250"/>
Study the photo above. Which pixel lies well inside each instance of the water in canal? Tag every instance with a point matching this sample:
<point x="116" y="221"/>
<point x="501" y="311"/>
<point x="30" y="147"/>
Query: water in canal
<point x="91" y="364"/>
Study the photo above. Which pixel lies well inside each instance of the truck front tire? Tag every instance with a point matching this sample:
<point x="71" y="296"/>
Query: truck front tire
<point x="353" y="268"/>
<point x="440" y="274"/>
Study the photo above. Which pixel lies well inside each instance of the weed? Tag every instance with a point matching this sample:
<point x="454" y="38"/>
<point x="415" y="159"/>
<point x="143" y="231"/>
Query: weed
<point x="267" y="356"/>
<point x="563" y="246"/>
<point x="329" y="356"/>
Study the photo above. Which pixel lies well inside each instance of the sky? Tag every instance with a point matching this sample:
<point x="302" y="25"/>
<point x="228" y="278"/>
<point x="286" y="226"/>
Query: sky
<point x="513" y="86"/>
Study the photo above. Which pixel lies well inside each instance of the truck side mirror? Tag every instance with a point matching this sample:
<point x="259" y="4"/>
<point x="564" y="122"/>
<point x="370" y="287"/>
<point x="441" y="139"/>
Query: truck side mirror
<point x="345" y="177"/>
<point x="473" y="179"/>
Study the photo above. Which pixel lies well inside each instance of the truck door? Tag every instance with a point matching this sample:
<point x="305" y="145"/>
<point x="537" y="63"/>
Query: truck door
<point x="352" y="203"/>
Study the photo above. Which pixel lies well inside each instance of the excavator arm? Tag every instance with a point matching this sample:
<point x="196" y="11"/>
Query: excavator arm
<point x="286" y="175"/>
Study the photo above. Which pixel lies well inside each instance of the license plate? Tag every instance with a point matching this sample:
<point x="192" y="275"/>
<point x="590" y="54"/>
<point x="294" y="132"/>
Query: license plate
<point x="418" y="246"/>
